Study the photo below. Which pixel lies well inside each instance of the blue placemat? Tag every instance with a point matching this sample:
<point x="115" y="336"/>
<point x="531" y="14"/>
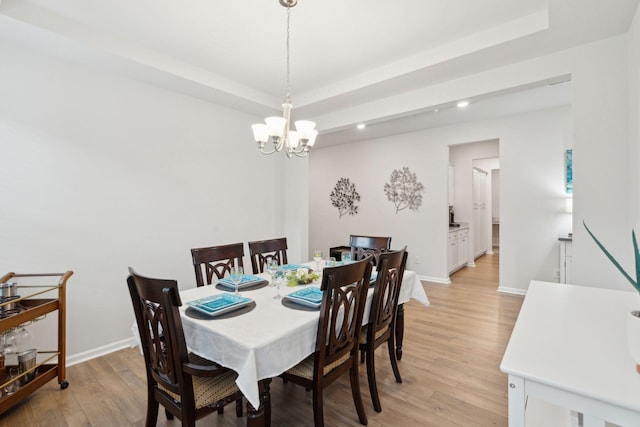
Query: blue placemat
<point x="215" y="305"/>
<point x="311" y="297"/>
<point x="247" y="280"/>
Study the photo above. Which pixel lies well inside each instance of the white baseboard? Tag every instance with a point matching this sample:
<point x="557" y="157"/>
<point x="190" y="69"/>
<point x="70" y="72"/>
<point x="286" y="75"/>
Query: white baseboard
<point x="444" y="281"/>
<point x="101" y="351"/>
<point x="513" y="291"/>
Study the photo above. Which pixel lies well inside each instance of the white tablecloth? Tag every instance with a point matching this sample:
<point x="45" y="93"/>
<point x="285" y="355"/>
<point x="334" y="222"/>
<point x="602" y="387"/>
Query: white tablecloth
<point x="268" y="340"/>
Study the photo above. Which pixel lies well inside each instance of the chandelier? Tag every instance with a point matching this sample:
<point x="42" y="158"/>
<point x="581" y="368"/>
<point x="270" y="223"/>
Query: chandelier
<point x="277" y="129"/>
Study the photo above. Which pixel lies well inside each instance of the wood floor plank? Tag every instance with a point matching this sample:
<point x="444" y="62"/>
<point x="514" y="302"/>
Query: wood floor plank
<point x="450" y="371"/>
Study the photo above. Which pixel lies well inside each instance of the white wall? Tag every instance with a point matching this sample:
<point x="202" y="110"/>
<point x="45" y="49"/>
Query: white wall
<point x="100" y="173"/>
<point x="634" y="120"/>
<point x="602" y="196"/>
<point x="495" y="194"/>
<point x="531" y="162"/>
<point x="532" y="172"/>
<point x="369" y="165"/>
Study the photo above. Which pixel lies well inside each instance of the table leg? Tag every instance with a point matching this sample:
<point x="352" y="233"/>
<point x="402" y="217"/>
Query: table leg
<point x="517" y="400"/>
<point x="399" y="330"/>
<point x="261" y="417"/>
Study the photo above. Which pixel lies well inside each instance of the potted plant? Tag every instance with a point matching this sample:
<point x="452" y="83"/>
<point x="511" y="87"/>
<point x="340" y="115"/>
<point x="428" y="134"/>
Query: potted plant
<point x="633" y="318"/>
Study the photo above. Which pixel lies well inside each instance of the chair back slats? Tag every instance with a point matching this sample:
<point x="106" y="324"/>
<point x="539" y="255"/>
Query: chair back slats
<point x="345" y="292"/>
<point x="386" y="292"/>
<point x="363" y="246"/>
<point x="261" y="251"/>
<point x="216" y="260"/>
<point x="155" y="304"/>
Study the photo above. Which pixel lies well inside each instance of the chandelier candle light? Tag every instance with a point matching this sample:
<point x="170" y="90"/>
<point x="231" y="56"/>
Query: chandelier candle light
<point x="276" y="129"/>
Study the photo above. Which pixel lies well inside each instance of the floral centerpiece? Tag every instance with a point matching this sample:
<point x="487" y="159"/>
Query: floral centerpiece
<point x="633" y="318"/>
<point x="301" y="276"/>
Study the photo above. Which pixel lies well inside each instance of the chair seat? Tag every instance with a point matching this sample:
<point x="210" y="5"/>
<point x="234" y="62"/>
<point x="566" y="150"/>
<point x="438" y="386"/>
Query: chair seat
<point x="304" y="369"/>
<point x="363" y="333"/>
<point x="209" y="390"/>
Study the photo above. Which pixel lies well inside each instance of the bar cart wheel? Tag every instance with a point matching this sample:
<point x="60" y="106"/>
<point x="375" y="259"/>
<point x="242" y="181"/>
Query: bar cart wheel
<point x="64" y="384"/>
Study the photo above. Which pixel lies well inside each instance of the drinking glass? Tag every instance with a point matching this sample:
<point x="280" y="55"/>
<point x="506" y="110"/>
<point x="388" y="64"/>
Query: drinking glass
<point x="346" y="257"/>
<point x="11" y="341"/>
<point x="25" y="336"/>
<point x="331" y="261"/>
<point x="272" y="266"/>
<point x="278" y="279"/>
<point x="14" y="386"/>
<point x="10" y="347"/>
<point x="317" y="257"/>
<point x="236" y="277"/>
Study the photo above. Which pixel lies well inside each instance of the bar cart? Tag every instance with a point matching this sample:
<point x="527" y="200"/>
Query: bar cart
<point x="33" y="302"/>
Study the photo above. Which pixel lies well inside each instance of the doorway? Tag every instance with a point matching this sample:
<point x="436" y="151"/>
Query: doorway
<point x="475" y="184"/>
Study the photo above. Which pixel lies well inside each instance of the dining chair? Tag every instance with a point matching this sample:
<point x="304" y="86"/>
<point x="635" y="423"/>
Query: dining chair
<point x="381" y="326"/>
<point x="261" y="251"/>
<point x="361" y="246"/>
<point x="216" y="260"/>
<point x="336" y="349"/>
<point x="188" y="386"/>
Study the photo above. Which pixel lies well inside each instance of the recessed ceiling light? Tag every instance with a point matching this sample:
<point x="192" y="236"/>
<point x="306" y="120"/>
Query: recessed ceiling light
<point x="436" y="110"/>
<point x="463" y="104"/>
<point x="361" y="126"/>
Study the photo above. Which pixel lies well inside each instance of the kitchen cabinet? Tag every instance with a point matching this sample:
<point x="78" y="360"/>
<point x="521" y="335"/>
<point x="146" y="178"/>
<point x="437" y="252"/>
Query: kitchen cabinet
<point x="458" y="249"/>
<point x="33" y="301"/>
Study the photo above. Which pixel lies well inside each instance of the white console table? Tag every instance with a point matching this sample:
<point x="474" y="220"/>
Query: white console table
<point x="568" y="347"/>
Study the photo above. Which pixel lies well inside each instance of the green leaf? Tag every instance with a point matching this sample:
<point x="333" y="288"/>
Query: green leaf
<point x="613" y="260"/>
<point x="637" y="257"/>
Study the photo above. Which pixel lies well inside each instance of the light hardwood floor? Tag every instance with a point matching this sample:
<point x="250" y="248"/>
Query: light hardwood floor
<point x="450" y="368"/>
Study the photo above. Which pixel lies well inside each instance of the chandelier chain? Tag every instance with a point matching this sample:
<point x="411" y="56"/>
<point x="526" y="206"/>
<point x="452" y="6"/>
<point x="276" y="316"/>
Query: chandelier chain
<point x="288" y="49"/>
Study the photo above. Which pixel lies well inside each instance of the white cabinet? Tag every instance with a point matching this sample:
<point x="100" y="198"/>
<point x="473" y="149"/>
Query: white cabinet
<point x="566" y="260"/>
<point x="458" y="253"/>
<point x="453" y="251"/>
<point x="480" y="221"/>
<point x="463" y="248"/>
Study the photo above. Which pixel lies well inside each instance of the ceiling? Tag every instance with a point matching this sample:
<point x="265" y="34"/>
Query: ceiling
<point x="344" y="54"/>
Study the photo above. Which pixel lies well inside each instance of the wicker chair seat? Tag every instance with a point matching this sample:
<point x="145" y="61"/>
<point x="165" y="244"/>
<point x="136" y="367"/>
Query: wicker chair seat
<point x="304" y="369"/>
<point x="209" y="390"/>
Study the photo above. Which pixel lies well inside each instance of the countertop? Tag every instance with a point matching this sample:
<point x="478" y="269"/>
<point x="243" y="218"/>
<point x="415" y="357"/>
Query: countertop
<point x="463" y="226"/>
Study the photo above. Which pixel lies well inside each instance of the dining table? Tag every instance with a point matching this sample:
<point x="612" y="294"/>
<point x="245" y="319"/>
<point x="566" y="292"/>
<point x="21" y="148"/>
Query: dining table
<point x="264" y="339"/>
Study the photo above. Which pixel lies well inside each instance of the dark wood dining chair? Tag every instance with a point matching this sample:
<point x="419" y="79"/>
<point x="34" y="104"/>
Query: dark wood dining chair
<point x="381" y="326"/>
<point x="216" y="260"/>
<point x="261" y="251"/>
<point x="188" y="386"/>
<point x="336" y="351"/>
<point x="361" y="246"/>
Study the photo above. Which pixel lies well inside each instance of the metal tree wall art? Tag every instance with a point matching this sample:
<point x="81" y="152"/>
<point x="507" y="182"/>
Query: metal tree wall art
<point x="344" y="197"/>
<point x="404" y="190"/>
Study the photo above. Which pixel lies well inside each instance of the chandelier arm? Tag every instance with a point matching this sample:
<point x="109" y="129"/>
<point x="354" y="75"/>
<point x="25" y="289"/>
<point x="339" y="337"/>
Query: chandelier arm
<point x="278" y="146"/>
<point x="263" y="151"/>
